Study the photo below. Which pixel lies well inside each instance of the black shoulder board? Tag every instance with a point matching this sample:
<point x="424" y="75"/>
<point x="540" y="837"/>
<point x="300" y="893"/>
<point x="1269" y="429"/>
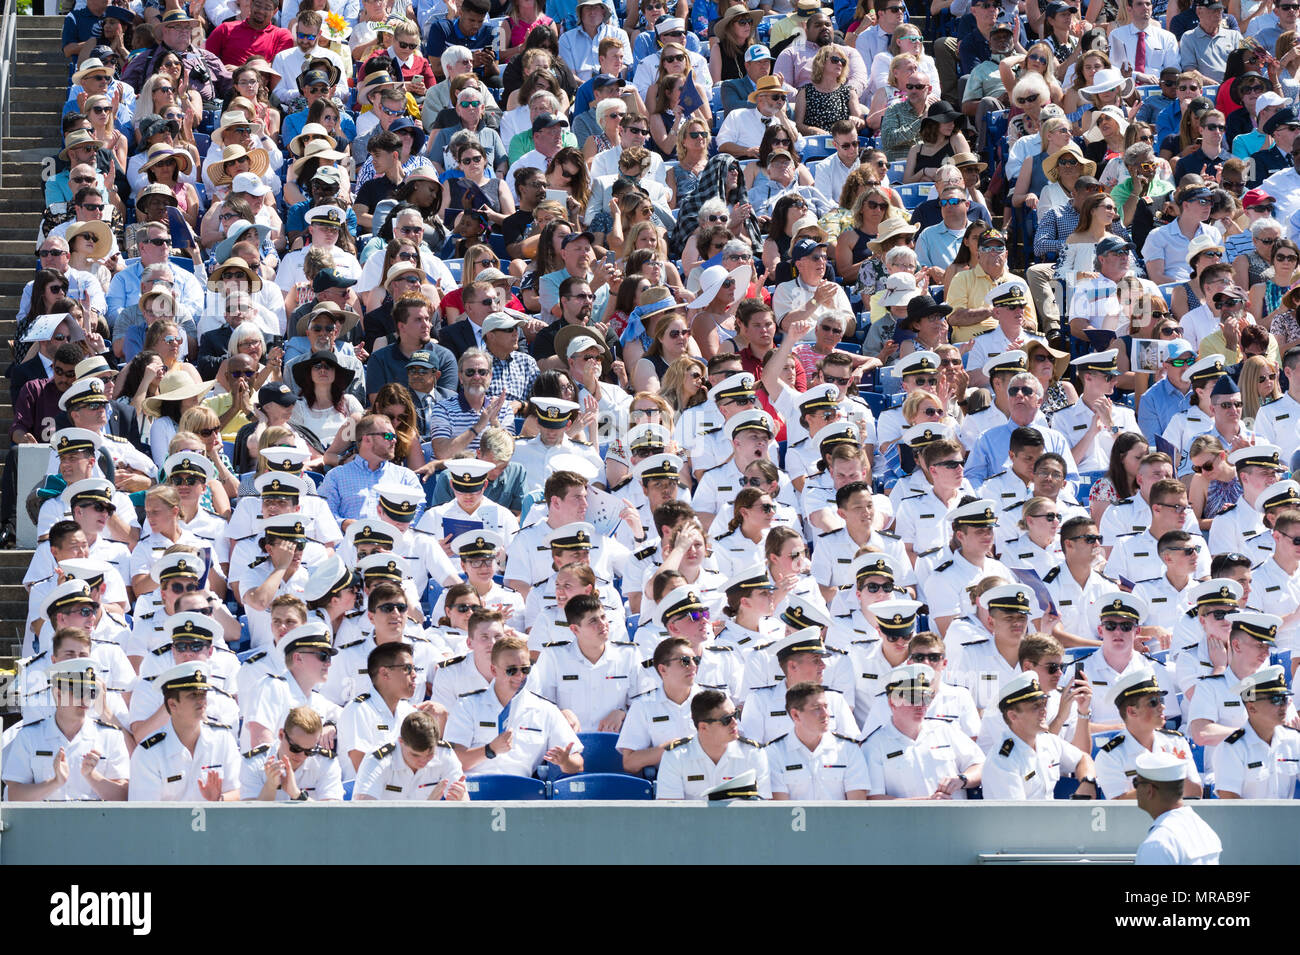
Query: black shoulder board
<point x="256" y="656"/>
<point x="1232" y="738"/>
<point x="891" y="536"/>
<point x="1052" y="574"/>
<point x="1230" y="507"/>
<point x="747" y="740"/>
<point x="107" y="726"/>
<point x="778" y="739"/>
<point x="417" y="638"/>
<point x="1169" y="732"/>
<point x="444" y="743"/>
<point x="942" y="567"/>
<point x="454" y="660"/>
<point x="30" y="660"/>
<point x="998" y="475"/>
<point x="1125" y="500"/>
<point x="829" y="533"/>
<point x="257" y="751"/>
<point x="678" y="742"/>
<point x="481" y="689"/>
<point x="623" y="483"/>
<point x="362" y="698"/>
<point x="847" y="739"/>
<point x="163" y="649"/>
<point x="644" y="552"/>
<point x="927" y="553"/>
<point x="1007" y="745"/>
<point x="1115" y="741"/>
<point x="216" y="725"/>
<point x="557" y="643"/>
<point x="642" y="693"/>
<point x="621" y="643"/>
<point x="153" y="740"/>
<point x="354" y="643"/>
<point x="354" y="613"/>
<point x="217" y="689"/>
<point x="720" y="648"/>
<point x="384" y="750"/>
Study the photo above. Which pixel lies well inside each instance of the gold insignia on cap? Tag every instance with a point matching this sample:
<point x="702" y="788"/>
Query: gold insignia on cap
<point x="366" y="529"/>
<point x="1224" y="592"/>
<point x="924" y="364"/>
<point x="275" y="485"/>
<point x="928" y="434"/>
<point x="189" y="626"/>
<point x="479" y="542"/>
<point x="392" y="567"/>
<point x="988" y="512"/>
<point x="287" y="462"/>
<point x="181" y="565"/>
<point x="1117" y="604"/>
<point x="297" y="527"/>
<point x="63" y="441"/>
<point x="466" y="477"/>
<point x="1272" y="631"/>
<point x="95" y="385"/>
<point x="581" y="537"/>
<point x="1218" y="366"/>
<point x="553" y="411"/>
<point x="898" y="618"/>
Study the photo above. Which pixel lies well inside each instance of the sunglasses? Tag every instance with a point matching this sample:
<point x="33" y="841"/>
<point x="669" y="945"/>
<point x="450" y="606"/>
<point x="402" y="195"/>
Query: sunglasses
<point x="950" y="202"/>
<point x="674" y="58"/>
<point x="157" y="243"/>
<point x="724" y="720"/>
<point x="1026" y="100"/>
<point x="1021" y="391"/>
<point x="190" y="646"/>
<point x="687" y="660"/>
<point x="1217" y="127"/>
<point x="51" y="253"/>
<point x="918" y="86"/>
<point x="308" y="750"/>
<point x="476" y="372"/>
<point x="385" y="435"/>
<point x="517" y="670"/>
<point x="1055" y="668"/>
<point x="392" y="606"/>
<point x="184" y="480"/>
<point x="930" y="659"/>
<point x="1052" y="517"/>
<point x="875" y="588"/>
<point x="82" y="611"/>
<point x="407" y="668"/>
<point x="1086" y="538"/>
<point x="951" y="464"/>
<point x="1110" y="626"/>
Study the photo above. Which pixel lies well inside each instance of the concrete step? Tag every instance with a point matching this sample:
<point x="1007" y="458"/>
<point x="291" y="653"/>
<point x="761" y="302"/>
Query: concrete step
<point x="21" y="144"/>
<point x="20" y="200"/>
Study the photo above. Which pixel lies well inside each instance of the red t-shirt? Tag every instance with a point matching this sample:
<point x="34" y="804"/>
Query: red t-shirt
<point x="234" y="42"/>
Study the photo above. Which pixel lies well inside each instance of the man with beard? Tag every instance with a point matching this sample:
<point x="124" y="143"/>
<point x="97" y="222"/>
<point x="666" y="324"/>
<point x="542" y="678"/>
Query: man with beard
<point x="795" y="61"/>
<point x="459" y="422"/>
<point x="413" y="319"/>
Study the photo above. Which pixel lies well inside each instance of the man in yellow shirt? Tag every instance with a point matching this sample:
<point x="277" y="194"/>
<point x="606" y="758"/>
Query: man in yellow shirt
<point x="966" y="292"/>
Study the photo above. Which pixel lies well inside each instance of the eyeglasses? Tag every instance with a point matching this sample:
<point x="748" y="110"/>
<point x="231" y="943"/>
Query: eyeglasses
<point x="1052" y="516"/>
<point x="716" y="217"/>
<point x="321" y="329"/>
<point x="951" y="202"/>
<point x="1217" y="127"/>
<point x="156" y="243"/>
<point x="1177" y="508"/>
<point x="82" y="611"/>
<point x="308" y="750"/>
<point x="918" y="86"/>
<point x="929" y="659"/>
<point x="1026" y="100"/>
<point x="1021" y="391"/>
<point x="96" y="207"/>
<point x="1086" y="538"/>
<point x="480" y="563"/>
<point x="1055" y="668"/>
<point x="51" y="253"/>
<point x="184" y="480"/>
<point x="1285" y="258"/>
<point x="190" y="646"/>
<point x="476" y="372"/>
<point x="407" y="668"/>
<point x="157" y="89"/>
<point x="674" y="58"/>
<point x="1188" y="89"/>
<point x="687" y="660"/>
<point x="392" y="606"/>
<point x="724" y="720"/>
<point x="776" y="97"/>
<point x="839" y="60"/>
<point x="640" y="131"/>
<point x="1110" y="626"/>
<point x="698" y="134"/>
<point x="469" y="103"/>
<point x="1229" y="404"/>
<point x="518" y="670"/>
<point x="406" y="46"/>
<point x="1037" y="58"/>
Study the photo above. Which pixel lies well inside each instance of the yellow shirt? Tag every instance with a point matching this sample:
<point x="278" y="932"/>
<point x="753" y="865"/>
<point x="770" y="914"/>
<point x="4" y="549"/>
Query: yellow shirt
<point x="221" y="404"/>
<point x="968" y="289"/>
<point x="1213" y="344"/>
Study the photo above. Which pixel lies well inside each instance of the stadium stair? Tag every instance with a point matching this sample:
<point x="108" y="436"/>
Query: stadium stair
<point x="39" y="81"/>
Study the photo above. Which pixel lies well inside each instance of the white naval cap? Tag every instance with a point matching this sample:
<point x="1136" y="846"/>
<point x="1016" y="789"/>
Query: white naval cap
<point x="1161" y="767"/>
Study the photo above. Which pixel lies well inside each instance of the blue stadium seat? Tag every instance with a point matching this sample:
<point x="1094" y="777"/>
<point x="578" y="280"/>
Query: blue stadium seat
<point x="599" y="754"/>
<point x="499" y="786"/>
<point x="498" y="244"/>
<point x="853" y="348"/>
<point x="1101" y="739"/>
<point x="817" y="147"/>
<point x="1147" y="92"/>
<point x="877" y="402"/>
<point x="347" y="790"/>
<point x="1167" y="290"/>
<point x="454" y="266"/>
<point x="530" y="499"/>
<point x="913" y="193"/>
<point x="181" y="262"/>
<point x="602" y="786"/>
<point x="1075" y="654"/>
<point x="896" y="170"/>
<point x="1065" y="787"/>
<point x="245" y="654"/>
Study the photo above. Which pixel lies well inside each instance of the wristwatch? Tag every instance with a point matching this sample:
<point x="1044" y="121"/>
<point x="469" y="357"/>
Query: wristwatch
<point x="487" y="751"/>
<point x="965" y="783"/>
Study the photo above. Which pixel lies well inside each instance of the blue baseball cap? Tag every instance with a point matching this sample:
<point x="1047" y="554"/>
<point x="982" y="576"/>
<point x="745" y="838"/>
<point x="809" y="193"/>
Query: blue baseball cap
<point x="805" y="247"/>
<point x="1179" y="346"/>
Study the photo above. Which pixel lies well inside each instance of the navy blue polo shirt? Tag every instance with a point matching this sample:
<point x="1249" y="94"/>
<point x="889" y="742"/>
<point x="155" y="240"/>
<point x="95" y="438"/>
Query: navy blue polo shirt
<point x="445" y="33"/>
<point x="77" y="26"/>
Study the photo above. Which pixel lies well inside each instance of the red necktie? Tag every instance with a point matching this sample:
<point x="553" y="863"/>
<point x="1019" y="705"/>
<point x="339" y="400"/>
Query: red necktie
<point x="1140" y="58"/>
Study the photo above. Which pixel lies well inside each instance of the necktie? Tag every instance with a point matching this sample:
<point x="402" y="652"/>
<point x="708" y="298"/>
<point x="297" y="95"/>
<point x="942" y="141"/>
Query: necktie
<point x="1140" y="57"/>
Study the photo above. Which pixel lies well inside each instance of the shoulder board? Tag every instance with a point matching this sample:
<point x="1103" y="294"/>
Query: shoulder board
<point x="1169" y="732"/>
<point x="829" y="533"/>
<point x="257" y="562"/>
<point x="445" y="744"/>
<point x="1113" y="580"/>
<point x="621" y="484"/>
<point x="1052" y="574"/>
<point x="258" y="751"/>
<point x="481" y="689"/>
<point x="354" y="613"/>
<point x="942" y="567"/>
<point x="354" y="643"/>
<point x="384" y="750"/>
<point x="557" y="643"/>
<point x="927" y="553"/>
<point x="844" y="616"/>
<point x="622" y="643"/>
<point x="1012" y="507"/>
<point x="998" y="475"/>
<point x="362" y="698"/>
<point x="716" y="466"/>
<point x="1115" y="741"/>
<point x="217" y="689"/>
<point x="417" y="638"/>
<point x="454" y="660"/>
<point x="847" y="739"/>
<point x="678" y="742"/>
<point x="116" y="618"/>
<point x="777" y="740"/>
<point x="638" y="696"/>
<point x="30" y="660"/>
<point x="153" y="740"/>
<point x="1007" y="745"/>
<point x="1230" y="507"/>
<point x="840" y="652"/>
<point x="1125" y="500"/>
<point x="762" y="646"/>
<point x="1232" y="738"/>
<point x="891" y="536"/>
<point x="913" y="497"/>
<point x="727" y="534"/>
<point x="750" y="742"/>
<point x="985" y="332"/>
<point x="720" y="648"/>
<point x="146" y="616"/>
<point x="256" y="656"/>
<point x="166" y="647"/>
<point x="214" y="724"/>
<point x="108" y="726"/>
<point x="644" y="552"/>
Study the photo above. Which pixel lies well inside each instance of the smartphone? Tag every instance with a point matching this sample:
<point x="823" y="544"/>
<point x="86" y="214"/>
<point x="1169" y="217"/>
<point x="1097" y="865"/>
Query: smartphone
<point x="611" y="257"/>
<point x="558" y="195"/>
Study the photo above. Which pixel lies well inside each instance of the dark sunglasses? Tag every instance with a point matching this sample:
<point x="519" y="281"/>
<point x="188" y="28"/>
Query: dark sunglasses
<point x="517" y="670"/>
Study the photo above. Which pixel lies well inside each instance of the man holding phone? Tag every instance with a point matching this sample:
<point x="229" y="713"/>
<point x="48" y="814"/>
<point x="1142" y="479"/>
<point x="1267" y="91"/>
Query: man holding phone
<point x="470" y="31"/>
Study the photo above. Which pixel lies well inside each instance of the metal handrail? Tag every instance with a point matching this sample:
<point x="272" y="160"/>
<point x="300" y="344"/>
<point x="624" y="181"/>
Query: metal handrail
<point x="8" y="50"/>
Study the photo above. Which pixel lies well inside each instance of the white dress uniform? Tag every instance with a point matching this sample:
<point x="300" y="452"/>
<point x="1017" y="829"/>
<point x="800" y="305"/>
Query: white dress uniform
<point x="733" y="551"/>
<point x="1023" y="552"/>
<point x="1132" y="515"/>
<point x="981" y="669"/>
<point x="591" y="691"/>
<point x="384" y="775"/>
<point x="1278" y="422"/>
<point x="1182" y="428"/>
<point x="828" y="771"/>
<point x="909" y="768"/>
<point x="993" y="727"/>
<point x="1179" y="837"/>
<point x="112" y="552"/>
<point x="367" y="723"/>
<point x="259" y="621"/>
<point x="456" y="679"/>
<point x="818" y="494"/>
<point x="534" y="457"/>
<point x="1260" y="547"/>
<point x="994" y="342"/>
<point x="1215" y="701"/>
<point x="29" y="758"/>
<point x="922" y="521"/>
<point x="765" y="717"/>
<point x="945" y="589"/>
<point x="246" y="571"/>
<point x="425" y="559"/>
<point x="1076" y="604"/>
<point x="1073" y="421"/>
<point x="953" y="705"/>
<point x="34" y="681"/>
<point x="349" y="675"/>
<point x="319" y="522"/>
<point x="718" y="487"/>
<point x="1233" y="526"/>
<point x="319" y="776"/>
<point x="1015" y="771"/>
<point x="1136" y="558"/>
<point x="1006" y="490"/>
<point x="1253" y="769"/>
<point x="1103" y="676"/>
<point x="1166" y="601"/>
<point x="976" y="424"/>
<point x="260" y="664"/>
<point x="545" y="622"/>
<point x="537" y="724"/>
<point x="832" y="558"/>
<point x="686" y="772"/>
<point x="151" y="546"/>
<point x="163" y="770"/>
<point x="489" y="515"/>
<point x="528" y="556"/>
<point x="1275" y="591"/>
<point x="1116" y="761"/>
<point x="654" y="720"/>
<point x="274" y="696"/>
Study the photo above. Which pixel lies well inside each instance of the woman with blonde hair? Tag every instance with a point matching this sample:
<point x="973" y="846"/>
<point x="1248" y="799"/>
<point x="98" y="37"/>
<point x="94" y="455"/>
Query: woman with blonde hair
<point x="852" y="250"/>
<point x="99" y="110"/>
<point x="1039" y="59"/>
<point x="1259" y="387"/>
<point x="1030" y="94"/>
<point x="827" y="98"/>
<point x="683" y="384"/>
<point x="692" y="156"/>
<point x="203" y="422"/>
<point x="1054" y="135"/>
<point x="671" y="341"/>
<point x="891" y="90"/>
<point x="1214" y="486"/>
